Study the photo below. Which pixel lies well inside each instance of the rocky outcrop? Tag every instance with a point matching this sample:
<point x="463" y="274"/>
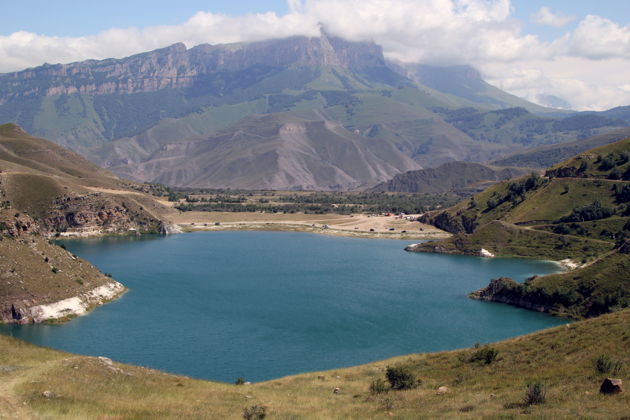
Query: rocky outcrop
<point x="506" y="290"/>
<point x="611" y="386"/>
<point x="458" y="223"/>
<point x="28" y="311"/>
<point x="96" y="213"/>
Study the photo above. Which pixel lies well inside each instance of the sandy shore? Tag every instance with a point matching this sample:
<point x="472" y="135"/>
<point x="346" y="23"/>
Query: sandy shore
<point x="357" y="225"/>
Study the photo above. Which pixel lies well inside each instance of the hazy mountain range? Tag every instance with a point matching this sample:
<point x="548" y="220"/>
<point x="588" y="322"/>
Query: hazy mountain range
<point x="296" y="113"/>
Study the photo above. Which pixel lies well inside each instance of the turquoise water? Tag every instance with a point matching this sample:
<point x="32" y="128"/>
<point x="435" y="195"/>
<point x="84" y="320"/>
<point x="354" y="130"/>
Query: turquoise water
<point x="261" y="305"/>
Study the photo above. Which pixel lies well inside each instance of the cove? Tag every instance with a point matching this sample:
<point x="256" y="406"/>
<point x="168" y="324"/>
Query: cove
<point x="262" y="305"/>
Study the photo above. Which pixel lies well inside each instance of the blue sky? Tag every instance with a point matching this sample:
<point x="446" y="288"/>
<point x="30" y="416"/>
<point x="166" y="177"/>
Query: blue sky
<point x="576" y="50"/>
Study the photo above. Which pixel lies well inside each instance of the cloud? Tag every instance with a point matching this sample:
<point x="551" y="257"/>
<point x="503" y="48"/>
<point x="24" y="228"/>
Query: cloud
<point x="481" y="33"/>
<point x="598" y="38"/>
<point x="544" y="16"/>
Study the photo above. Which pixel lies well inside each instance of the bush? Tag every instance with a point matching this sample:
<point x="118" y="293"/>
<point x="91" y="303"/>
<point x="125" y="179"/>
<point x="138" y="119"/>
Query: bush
<point x="255" y="412"/>
<point x="401" y="377"/>
<point x="535" y="393"/>
<point x="239" y="381"/>
<point x="486" y="355"/>
<point x="606" y="364"/>
<point x="378" y="386"/>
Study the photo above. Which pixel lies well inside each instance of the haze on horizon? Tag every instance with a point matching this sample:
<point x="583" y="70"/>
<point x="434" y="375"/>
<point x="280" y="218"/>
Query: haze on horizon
<point x="547" y="52"/>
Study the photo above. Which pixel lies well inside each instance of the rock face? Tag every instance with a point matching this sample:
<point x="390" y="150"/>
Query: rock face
<point x="177" y="67"/>
<point x="611" y="386"/>
<point x="506" y="290"/>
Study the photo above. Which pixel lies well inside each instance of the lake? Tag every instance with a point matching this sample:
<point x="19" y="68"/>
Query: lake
<point x="262" y="305"/>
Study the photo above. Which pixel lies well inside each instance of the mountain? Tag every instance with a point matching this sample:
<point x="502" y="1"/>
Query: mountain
<point x="453" y="177"/>
<point x="466" y="82"/>
<point x="146" y="115"/>
<point x="580" y="211"/>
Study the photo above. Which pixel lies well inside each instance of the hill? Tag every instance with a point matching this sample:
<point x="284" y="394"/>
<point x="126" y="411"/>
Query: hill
<point x="568" y="363"/>
<point x="578" y="211"/>
<point x="47" y="191"/>
<point x="454" y="177"/>
<point x="141" y="116"/>
<point x="545" y="156"/>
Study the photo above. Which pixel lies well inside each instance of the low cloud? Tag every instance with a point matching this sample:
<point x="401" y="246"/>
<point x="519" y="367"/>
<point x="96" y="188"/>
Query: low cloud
<point x="544" y="16"/>
<point x="481" y="33"/>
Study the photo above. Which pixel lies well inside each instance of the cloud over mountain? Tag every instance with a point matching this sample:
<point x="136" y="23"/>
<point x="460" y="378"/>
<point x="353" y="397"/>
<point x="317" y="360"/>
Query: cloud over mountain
<point x="482" y="33"/>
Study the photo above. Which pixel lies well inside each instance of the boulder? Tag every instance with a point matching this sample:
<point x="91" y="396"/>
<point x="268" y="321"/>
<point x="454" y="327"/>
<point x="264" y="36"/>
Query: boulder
<point x="443" y="390"/>
<point x="611" y="386"/>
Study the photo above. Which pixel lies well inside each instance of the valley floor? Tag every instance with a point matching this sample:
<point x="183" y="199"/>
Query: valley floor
<point x="356" y="225"/>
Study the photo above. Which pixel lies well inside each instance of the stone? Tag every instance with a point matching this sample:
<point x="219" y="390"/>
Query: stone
<point x="443" y="390"/>
<point x="336" y="390"/>
<point x="611" y="386"/>
<point x="48" y="394"/>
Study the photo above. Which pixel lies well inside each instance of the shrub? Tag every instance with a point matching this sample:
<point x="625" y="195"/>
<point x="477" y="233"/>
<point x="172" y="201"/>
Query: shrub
<point x="255" y="412"/>
<point x="606" y="364"/>
<point x="535" y="393"/>
<point x="239" y="381"/>
<point x="486" y="355"/>
<point x="401" y="377"/>
<point x="378" y="386"/>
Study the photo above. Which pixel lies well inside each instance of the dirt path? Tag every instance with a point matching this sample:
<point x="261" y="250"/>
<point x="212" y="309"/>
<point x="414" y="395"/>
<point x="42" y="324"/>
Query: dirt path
<point x="11" y="406"/>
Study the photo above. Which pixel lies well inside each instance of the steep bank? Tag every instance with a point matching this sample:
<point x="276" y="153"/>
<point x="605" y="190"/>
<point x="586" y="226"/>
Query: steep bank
<point x="40" y="281"/>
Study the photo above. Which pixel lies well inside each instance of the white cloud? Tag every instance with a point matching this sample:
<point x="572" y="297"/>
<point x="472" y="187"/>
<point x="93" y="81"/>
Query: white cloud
<point x="544" y="16"/>
<point x="482" y="33"/>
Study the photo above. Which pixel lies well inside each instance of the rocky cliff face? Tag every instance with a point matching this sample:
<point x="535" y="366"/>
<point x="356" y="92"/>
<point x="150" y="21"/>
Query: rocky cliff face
<point x="96" y="213"/>
<point x="178" y="67"/>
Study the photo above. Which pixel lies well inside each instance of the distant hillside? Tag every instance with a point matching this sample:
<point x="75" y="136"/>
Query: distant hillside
<point x="276" y="151"/>
<point x="545" y="156"/>
<point x="579" y="211"/>
<point x="455" y="177"/>
<point x="142" y="116"/>
<point x="47" y="191"/>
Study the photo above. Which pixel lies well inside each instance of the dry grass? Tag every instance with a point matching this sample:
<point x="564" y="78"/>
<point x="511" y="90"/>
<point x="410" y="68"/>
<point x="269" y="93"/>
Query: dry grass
<point x="560" y="358"/>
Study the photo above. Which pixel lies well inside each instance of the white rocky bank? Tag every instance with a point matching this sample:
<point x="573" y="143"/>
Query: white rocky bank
<point x="77" y="305"/>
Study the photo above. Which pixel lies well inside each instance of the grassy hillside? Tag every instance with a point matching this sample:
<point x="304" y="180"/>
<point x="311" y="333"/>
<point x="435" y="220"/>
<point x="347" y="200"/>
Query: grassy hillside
<point x="43" y="383"/>
<point x="454" y="177"/>
<point x="62" y="191"/>
<point x="579" y="211"/>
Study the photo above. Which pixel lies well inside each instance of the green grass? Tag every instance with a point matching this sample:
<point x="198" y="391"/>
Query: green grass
<point x="506" y="240"/>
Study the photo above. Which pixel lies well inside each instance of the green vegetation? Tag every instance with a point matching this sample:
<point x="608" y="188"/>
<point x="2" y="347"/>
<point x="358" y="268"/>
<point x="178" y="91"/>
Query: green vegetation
<point x="536" y="393"/>
<point x="486" y="355"/>
<point x="308" y="202"/>
<point x="606" y="364"/>
<point x="402" y="377"/>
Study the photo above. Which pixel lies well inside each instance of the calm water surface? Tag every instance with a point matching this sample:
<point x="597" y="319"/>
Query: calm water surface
<point x="261" y="305"/>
